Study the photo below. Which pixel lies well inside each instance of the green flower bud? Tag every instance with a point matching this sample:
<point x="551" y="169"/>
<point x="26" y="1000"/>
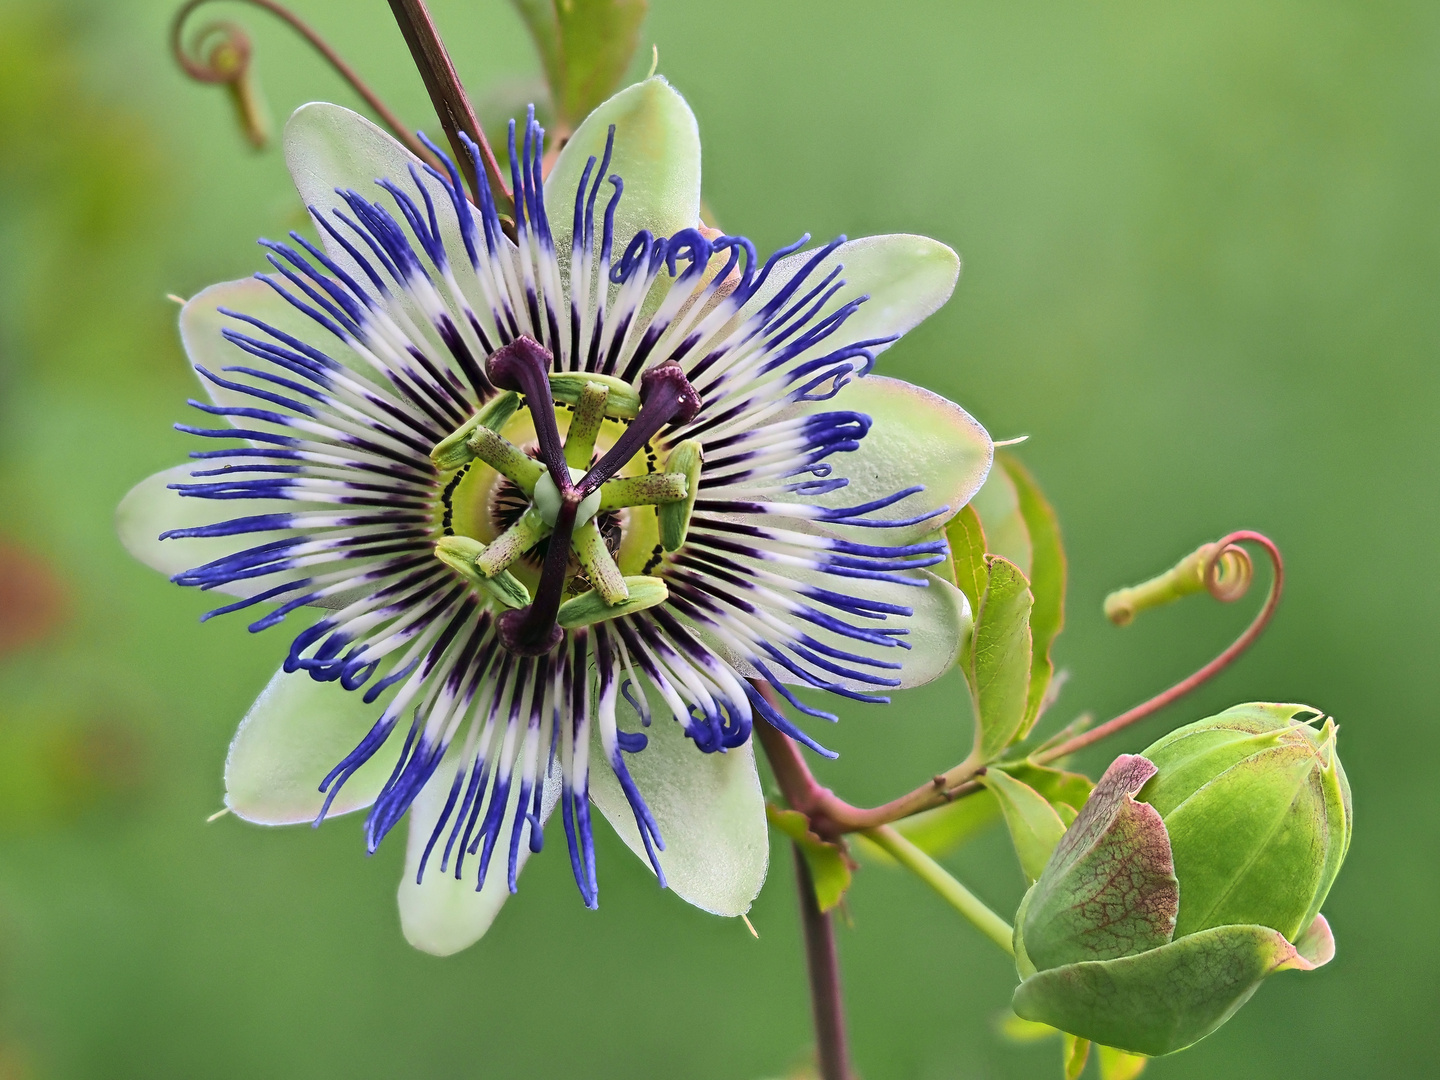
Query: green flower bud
<point x="1192" y="873"/>
<point x="1258" y="811"/>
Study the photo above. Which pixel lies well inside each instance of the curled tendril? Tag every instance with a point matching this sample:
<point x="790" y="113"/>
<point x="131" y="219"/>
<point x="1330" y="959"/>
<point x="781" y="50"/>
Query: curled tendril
<point x="220" y="53"/>
<point x="1228" y="573"/>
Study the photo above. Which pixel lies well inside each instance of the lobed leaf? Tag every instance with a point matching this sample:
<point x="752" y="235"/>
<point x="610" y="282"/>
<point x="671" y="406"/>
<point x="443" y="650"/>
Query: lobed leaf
<point x="967" y="554"/>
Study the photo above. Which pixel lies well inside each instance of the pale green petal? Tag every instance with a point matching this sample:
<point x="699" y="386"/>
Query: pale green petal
<point x="295" y="733"/>
<point x="442" y="914"/>
<point x="907" y="279"/>
<point x="329" y="147"/>
<point x="151" y="508"/>
<point x="940" y="620"/>
<point x="200" y="330"/>
<point x="917" y="438"/>
<point x="657" y="155"/>
<point x="709" y="808"/>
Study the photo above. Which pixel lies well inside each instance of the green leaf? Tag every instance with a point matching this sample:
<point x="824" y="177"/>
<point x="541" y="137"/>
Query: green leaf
<point x="942" y="830"/>
<point x="1035" y="828"/>
<point x="1074" y="1053"/>
<point x="998" y="504"/>
<point x="997" y="659"/>
<point x="1120" y="1065"/>
<point x="1059" y="786"/>
<point x="1109" y="889"/>
<point x="1047" y="581"/>
<point x="967" y="554"/>
<point x="1161" y="1000"/>
<point x="830" y="867"/>
<point x="585" y="47"/>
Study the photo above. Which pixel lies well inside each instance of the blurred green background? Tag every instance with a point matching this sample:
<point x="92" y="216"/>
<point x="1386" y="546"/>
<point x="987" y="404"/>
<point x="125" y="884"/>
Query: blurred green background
<point x="1202" y="248"/>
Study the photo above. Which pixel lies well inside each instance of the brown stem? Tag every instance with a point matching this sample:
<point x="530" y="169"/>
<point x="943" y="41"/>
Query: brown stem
<point x="446" y="93"/>
<point x="204" y="72"/>
<point x="831" y="816"/>
<point x="823" y="963"/>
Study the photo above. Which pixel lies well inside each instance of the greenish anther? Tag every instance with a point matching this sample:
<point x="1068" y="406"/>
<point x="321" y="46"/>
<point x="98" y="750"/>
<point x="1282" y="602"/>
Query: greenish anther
<point x="589" y="547"/>
<point x="590" y="607"/>
<point x="460" y="552"/>
<point x="652" y="489"/>
<point x="621" y="403"/>
<point x="512" y="543"/>
<point x="454" y="450"/>
<point x="506" y="458"/>
<point x="674" y="517"/>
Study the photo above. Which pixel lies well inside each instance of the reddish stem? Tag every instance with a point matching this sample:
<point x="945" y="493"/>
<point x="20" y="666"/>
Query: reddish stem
<point x="831" y="816"/>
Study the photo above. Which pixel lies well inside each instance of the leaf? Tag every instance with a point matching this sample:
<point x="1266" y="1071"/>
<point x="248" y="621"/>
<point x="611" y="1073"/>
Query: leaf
<point x="1047" y="581"/>
<point x="1109" y="889"/>
<point x="998" y="504"/>
<point x="831" y="869"/>
<point x="1120" y="1065"/>
<point x="942" y="830"/>
<point x="967" y="554"/>
<point x="585" y="47"/>
<point x="997" y="660"/>
<point x="1035" y="828"/>
<point x="1074" y="1053"/>
<point x="1059" y="786"/>
<point x="1024" y="1031"/>
<point x="1161" y="1000"/>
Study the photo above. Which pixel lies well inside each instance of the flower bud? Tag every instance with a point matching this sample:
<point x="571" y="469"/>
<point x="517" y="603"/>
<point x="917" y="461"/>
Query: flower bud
<point x="1193" y="872"/>
<point x="1257" y="808"/>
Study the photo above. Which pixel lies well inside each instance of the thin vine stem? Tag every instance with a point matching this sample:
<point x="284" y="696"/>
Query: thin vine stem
<point x="452" y="106"/>
<point x="938" y="878"/>
<point x="202" y="70"/>
<point x="822" y="962"/>
<point x="831" y="816"/>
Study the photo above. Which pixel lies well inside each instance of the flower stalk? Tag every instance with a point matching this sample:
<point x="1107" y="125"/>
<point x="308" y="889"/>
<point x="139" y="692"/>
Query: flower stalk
<point x="827" y="1002"/>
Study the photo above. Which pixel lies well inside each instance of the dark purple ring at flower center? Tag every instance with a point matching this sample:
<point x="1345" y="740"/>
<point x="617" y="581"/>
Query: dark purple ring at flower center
<point x="666" y="396"/>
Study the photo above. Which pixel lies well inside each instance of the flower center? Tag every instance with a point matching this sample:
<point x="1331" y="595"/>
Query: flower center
<point x="567" y="496"/>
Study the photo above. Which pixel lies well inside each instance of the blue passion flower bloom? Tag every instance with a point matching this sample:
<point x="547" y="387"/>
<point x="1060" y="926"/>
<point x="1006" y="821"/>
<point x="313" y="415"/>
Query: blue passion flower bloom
<point x="550" y="497"/>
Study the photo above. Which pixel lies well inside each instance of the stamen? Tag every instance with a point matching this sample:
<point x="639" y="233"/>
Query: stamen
<point x="454" y="450"/>
<point x="675" y="516"/>
<point x="652" y="489"/>
<point x="590" y="608"/>
<point x="512" y="543"/>
<point x="622" y="404"/>
<point x="507" y="459"/>
<point x="460" y="552"/>
<point x="590" y="549"/>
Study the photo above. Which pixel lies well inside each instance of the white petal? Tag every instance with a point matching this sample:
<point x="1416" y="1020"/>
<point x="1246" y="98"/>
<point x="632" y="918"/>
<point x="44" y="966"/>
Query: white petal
<point x="906" y="277"/>
<point x="657" y="155"/>
<point x="295" y="733"/>
<point x="709" y="807"/>
<point x="442" y="915"/>
<point x="151" y="508"/>
<point x="200" y="330"/>
<point x="917" y="438"/>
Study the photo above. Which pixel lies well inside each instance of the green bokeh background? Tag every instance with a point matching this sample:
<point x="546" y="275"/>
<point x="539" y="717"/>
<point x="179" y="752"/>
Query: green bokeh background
<point x="1202" y="271"/>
